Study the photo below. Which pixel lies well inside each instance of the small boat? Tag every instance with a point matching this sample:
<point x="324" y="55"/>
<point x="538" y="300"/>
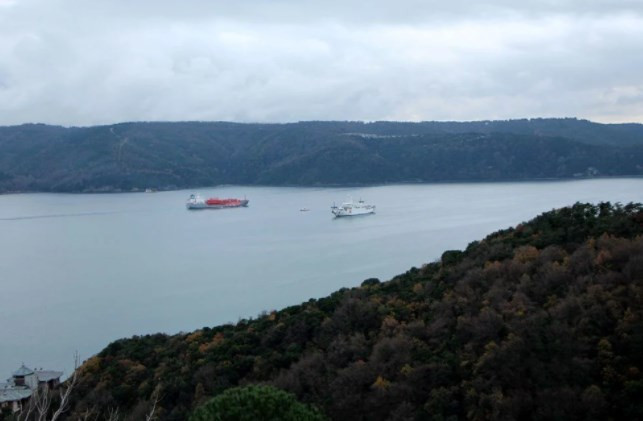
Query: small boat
<point x="351" y="208"/>
<point x="197" y="202"/>
<point x="304" y="210"/>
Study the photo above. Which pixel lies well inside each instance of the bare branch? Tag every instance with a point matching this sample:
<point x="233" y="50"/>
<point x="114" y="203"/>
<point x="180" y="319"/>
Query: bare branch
<point x="65" y="392"/>
<point x="42" y="402"/>
<point x="112" y="414"/>
<point x="155" y="400"/>
<point x="85" y="416"/>
<point x="24" y="416"/>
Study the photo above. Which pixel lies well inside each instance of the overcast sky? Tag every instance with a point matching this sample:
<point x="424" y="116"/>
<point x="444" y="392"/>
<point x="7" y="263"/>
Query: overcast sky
<point x="85" y="62"/>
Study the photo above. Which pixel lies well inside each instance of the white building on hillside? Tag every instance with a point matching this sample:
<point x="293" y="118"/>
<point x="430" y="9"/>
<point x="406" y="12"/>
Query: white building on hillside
<point x="15" y="393"/>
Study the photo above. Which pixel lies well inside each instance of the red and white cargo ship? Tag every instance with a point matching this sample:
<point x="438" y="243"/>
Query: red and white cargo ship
<point x="197" y="202"/>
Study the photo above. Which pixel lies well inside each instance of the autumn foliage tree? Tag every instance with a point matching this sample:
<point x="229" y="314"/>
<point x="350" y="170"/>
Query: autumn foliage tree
<point x="255" y="403"/>
<point x="540" y="321"/>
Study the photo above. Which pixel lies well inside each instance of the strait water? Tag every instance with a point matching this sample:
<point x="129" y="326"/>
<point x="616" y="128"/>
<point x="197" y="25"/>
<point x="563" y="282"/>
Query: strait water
<point x="79" y="271"/>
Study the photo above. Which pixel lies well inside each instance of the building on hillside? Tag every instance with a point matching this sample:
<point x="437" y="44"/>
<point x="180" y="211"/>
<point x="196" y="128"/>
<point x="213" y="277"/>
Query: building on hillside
<point x="15" y="393"/>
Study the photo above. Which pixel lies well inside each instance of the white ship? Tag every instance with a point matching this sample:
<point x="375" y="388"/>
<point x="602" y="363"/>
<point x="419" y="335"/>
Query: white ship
<point x="351" y="208"/>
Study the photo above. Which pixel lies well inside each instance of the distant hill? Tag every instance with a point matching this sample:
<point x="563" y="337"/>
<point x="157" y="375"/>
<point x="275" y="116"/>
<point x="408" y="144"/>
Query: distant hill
<point x="540" y="321"/>
<point x="135" y="156"/>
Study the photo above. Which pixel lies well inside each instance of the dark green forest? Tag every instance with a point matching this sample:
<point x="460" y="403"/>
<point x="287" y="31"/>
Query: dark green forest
<point x="137" y="156"/>
<point x="540" y="321"/>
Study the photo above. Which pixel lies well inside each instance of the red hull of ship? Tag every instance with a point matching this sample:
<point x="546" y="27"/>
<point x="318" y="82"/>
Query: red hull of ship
<point x="225" y="203"/>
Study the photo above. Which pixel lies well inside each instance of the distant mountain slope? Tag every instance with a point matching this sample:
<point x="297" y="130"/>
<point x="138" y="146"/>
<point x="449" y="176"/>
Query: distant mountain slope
<point x="131" y="156"/>
<point x="540" y="321"/>
<point x="580" y="130"/>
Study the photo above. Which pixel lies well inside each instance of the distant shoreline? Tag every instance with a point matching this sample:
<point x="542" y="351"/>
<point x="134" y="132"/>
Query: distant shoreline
<point x="330" y="186"/>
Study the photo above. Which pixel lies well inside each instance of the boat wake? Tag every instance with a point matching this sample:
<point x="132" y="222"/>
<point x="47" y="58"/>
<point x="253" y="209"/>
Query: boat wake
<point x="58" y="215"/>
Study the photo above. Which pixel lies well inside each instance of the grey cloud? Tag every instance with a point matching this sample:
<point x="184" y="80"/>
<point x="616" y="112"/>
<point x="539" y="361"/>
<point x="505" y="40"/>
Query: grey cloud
<point x="76" y="62"/>
<point x="362" y="11"/>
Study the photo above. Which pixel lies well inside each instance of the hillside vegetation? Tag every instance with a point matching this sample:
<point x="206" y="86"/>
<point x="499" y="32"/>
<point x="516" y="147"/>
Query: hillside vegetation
<point x="540" y="321"/>
<point x="136" y="156"/>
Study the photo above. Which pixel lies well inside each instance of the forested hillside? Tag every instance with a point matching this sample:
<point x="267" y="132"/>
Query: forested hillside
<point x="540" y="321"/>
<point x="136" y="156"/>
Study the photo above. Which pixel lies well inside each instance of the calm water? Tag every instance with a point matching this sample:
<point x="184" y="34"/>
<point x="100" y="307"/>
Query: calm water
<point x="78" y="271"/>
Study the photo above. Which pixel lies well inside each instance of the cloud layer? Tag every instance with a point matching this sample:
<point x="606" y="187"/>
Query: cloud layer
<point x="76" y="62"/>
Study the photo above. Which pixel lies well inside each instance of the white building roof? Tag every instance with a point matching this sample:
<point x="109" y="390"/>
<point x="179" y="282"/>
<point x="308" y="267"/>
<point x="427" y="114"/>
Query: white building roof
<point x="14" y="394"/>
<point x="47" y="375"/>
<point x="22" y="371"/>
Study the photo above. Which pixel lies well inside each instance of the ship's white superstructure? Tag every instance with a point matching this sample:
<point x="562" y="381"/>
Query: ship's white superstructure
<point x="195" y="202"/>
<point x="351" y="208"/>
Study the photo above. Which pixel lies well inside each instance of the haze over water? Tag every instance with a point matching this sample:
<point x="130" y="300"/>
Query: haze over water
<point x="79" y="271"/>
